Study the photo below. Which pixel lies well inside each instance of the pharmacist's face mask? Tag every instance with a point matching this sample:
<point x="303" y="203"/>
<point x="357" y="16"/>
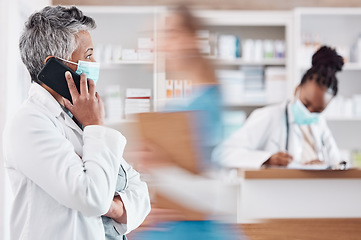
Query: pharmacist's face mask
<point x="91" y="69"/>
<point x="302" y="115"/>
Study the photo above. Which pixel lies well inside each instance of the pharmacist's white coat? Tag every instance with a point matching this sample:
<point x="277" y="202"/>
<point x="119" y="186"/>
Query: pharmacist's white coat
<point x="264" y="134"/>
<point x="63" y="179"/>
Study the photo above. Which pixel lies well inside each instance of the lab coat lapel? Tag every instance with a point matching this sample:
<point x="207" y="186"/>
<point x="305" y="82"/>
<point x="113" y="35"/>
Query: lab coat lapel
<point x="315" y="128"/>
<point x="70" y="123"/>
<point x="295" y="137"/>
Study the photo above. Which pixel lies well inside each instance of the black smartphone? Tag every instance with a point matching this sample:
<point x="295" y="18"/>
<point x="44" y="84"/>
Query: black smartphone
<point x="53" y="75"/>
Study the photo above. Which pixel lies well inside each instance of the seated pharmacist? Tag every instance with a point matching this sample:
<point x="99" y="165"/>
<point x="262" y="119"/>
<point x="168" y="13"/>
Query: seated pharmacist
<point x="291" y="133"/>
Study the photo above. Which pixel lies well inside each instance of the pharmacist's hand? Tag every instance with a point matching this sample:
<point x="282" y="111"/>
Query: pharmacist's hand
<point x="279" y="159"/>
<point x="87" y="105"/>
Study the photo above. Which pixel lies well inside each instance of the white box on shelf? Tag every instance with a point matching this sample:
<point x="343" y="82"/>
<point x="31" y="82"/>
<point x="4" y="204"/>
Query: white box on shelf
<point x="99" y="53"/>
<point x="232" y="86"/>
<point x="268" y="49"/>
<point x="129" y="54"/>
<point x="138" y="92"/>
<point x="113" y="103"/>
<point x="107" y="54"/>
<point x="117" y="53"/>
<point x="228" y="46"/>
<point x="255" y="96"/>
<point x="248" y="50"/>
<point x="280" y="49"/>
<point x="348" y="108"/>
<point x="358" y="49"/>
<point x="145" y="54"/>
<point x="137" y="101"/>
<point x="276" y="84"/>
<point x="258" y="54"/>
<point x="357" y="104"/>
<point x="145" y="43"/>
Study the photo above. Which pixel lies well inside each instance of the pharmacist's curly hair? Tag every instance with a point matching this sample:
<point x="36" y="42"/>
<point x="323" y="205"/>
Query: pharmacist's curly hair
<point x="51" y="32"/>
<point x="325" y="64"/>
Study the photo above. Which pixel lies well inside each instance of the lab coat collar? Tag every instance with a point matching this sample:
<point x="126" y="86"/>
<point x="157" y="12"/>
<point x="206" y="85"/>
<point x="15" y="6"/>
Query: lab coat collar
<point x="44" y="97"/>
<point x="294" y="128"/>
<point x="70" y="123"/>
<point x="291" y="118"/>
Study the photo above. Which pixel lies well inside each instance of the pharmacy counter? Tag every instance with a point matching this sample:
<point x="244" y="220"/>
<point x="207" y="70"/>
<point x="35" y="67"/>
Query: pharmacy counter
<point x="304" y="229"/>
<point x="290" y="194"/>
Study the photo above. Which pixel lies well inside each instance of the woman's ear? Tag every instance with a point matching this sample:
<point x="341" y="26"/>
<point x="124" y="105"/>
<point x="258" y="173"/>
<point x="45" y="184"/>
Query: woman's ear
<point x="296" y="90"/>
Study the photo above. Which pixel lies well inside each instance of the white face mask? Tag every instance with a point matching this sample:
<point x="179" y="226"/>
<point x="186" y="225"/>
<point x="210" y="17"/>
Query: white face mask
<point x="91" y="69"/>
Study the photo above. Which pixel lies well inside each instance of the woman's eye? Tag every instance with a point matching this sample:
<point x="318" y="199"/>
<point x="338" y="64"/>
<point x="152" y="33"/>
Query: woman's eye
<point x="89" y="56"/>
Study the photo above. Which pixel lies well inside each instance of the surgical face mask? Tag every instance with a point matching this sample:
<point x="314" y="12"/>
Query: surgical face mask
<point x="91" y="69"/>
<point x="302" y="116"/>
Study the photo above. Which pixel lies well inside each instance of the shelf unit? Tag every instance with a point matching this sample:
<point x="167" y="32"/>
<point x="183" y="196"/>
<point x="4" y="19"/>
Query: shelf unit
<point x="348" y="66"/>
<point x="241" y="62"/>
<point x="274" y="25"/>
<point x="336" y="27"/>
<point x="140" y="22"/>
<point x="285" y="25"/>
<point x="343" y="119"/>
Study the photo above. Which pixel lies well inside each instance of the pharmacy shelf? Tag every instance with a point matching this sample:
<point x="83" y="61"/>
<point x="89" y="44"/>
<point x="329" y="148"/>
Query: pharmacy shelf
<point x="347" y="67"/>
<point x="343" y="119"/>
<point x="240" y="61"/>
<point x="125" y="62"/>
<point x="247" y="104"/>
<point x="244" y="18"/>
<point x="352" y="66"/>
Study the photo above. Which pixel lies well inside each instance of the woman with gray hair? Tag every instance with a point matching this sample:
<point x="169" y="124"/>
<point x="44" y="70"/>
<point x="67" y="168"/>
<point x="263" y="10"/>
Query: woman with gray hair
<point x="66" y="170"/>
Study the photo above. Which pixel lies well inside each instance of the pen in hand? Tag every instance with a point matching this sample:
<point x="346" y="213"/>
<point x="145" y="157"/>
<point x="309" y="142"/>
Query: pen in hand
<point x="281" y="158"/>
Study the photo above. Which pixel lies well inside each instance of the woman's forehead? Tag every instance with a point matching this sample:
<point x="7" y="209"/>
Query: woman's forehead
<point x="84" y="39"/>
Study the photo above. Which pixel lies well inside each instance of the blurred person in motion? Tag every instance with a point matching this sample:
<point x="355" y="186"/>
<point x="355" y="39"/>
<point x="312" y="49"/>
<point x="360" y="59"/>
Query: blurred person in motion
<point x="185" y="201"/>
<point x="66" y="169"/>
<point x="183" y="57"/>
<point x="293" y="133"/>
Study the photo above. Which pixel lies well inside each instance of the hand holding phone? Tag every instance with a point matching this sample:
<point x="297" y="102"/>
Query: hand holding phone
<point x="86" y="106"/>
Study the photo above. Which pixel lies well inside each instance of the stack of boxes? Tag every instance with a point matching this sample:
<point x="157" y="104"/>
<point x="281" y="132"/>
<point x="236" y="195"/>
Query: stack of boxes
<point x="137" y="101"/>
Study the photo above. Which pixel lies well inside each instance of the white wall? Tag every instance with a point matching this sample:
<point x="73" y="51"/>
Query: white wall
<point x="3" y="44"/>
<point x="14" y="82"/>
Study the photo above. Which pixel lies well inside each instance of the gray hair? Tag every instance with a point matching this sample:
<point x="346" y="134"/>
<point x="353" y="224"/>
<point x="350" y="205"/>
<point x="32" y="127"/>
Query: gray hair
<point x="51" y="32"/>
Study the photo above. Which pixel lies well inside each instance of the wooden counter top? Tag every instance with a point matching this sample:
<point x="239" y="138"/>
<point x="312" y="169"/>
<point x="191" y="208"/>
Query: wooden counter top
<point x="304" y="229"/>
<point x="274" y="173"/>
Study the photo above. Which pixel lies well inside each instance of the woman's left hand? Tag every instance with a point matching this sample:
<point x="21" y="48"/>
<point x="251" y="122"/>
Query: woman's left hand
<point x="117" y="211"/>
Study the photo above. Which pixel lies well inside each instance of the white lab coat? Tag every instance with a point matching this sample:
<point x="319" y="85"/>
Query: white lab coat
<point x="264" y="134"/>
<point x="63" y="178"/>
